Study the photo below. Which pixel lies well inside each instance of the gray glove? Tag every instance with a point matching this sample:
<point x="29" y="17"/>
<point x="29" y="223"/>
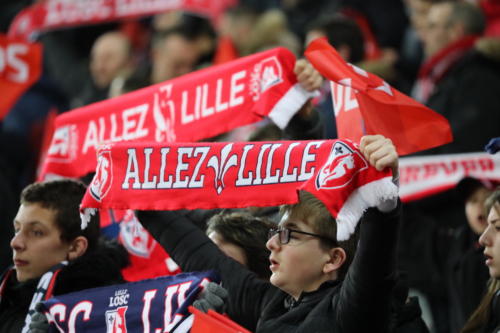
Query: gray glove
<point x="213" y="297"/>
<point x="39" y="323"/>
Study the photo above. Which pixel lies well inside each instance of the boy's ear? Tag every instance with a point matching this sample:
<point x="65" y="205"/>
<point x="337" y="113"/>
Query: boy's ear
<point x="337" y="259"/>
<point x="77" y="247"/>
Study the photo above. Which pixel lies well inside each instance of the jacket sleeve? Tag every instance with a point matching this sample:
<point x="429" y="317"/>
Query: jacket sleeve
<point x="367" y="289"/>
<point x="192" y="250"/>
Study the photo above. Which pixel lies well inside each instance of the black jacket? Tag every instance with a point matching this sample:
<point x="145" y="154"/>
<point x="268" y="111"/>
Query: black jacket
<point x="468" y="97"/>
<point x="100" y="268"/>
<point x="359" y="303"/>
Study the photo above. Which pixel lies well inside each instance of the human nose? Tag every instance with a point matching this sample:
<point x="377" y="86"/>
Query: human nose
<point x="484" y="239"/>
<point x="17" y="242"/>
<point x="273" y="243"/>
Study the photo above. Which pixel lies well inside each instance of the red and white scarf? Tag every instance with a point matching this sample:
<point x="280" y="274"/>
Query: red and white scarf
<point x="433" y="70"/>
<point x="59" y="14"/>
<point x="231" y="175"/>
<point x="195" y="106"/>
<point x="422" y="176"/>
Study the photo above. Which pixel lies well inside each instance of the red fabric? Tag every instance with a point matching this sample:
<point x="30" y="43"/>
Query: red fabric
<point x="147" y="258"/>
<point x="226" y="51"/>
<point x="20" y="68"/>
<point x="491" y="9"/>
<point x="213" y="322"/>
<point x="433" y="70"/>
<point x="55" y="14"/>
<point x="384" y="110"/>
<point x="148" y="176"/>
<point x="199" y="105"/>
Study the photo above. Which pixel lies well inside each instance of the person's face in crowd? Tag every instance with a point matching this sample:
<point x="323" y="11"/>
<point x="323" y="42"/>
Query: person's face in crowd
<point x="418" y="10"/>
<point x="439" y="32"/>
<point x="229" y="249"/>
<point x="474" y="210"/>
<point x="490" y="239"/>
<point x="110" y="55"/>
<point x="37" y="244"/>
<point x="301" y="265"/>
<point x="175" y="56"/>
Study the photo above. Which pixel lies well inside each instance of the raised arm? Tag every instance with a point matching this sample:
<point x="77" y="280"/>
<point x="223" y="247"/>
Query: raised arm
<point x="192" y="250"/>
<point x="366" y="291"/>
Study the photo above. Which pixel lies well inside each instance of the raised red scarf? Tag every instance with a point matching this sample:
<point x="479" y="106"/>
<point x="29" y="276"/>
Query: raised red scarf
<point x="366" y="104"/>
<point x="195" y="106"/>
<point x="57" y="14"/>
<point x="231" y="175"/>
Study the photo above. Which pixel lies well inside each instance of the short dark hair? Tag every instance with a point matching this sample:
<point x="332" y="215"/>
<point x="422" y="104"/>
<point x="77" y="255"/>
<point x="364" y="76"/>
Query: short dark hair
<point x="312" y="211"/>
<point x="342" y="30"/>
<point x="249" y="233"/>
<point x="63" y="196"/>
<point x="469" y="15"/>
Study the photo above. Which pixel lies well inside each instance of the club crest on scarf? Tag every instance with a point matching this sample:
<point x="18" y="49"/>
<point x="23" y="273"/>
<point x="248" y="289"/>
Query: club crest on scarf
<point x="165" y="129"/>
<point x="103" y="178"/>
<point x="115" y="320"/>
<point x="63" y="146"/>
<point x="265" y="75"/>
<point x="221" y="166"/>
<point x="134" y="237"/>
<point x="342" y="164"/>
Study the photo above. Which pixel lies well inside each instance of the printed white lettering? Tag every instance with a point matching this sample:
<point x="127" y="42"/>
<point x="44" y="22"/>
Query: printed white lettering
<point x="132" y="171"/>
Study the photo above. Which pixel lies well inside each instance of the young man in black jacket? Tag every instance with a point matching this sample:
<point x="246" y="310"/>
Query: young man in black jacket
<point x="47" y="233"/>
<point x="314" y="286"/>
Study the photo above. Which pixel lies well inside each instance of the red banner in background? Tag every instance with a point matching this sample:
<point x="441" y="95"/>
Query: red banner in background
<point x="20" y="68"/>
<point x="422" y="176"/>
<point x="56" y="14"/>
<point x="195" y="106"/>
<point x="384" y="110"/>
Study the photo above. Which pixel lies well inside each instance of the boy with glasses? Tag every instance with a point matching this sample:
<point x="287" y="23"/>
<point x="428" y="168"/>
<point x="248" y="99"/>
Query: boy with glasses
<point x="310" y="290"/>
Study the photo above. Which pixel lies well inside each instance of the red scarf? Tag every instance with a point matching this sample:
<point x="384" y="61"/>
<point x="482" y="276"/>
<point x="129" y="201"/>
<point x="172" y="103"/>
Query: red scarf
<point x="195" y="106"/>
<point x="422" y="176"/>
<point x="433" y="70"/>
<point x="232" y="175"/>
<point x="57" y="14"/>
<point x="364" y="103"/>
<point x="20" y="68"/>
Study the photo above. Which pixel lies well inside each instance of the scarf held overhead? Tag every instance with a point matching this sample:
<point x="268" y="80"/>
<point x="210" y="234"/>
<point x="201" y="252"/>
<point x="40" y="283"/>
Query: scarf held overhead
<point x="59" y="14"/>
<point x="366" y="104"/>
<point x="189" y="108"/>
<point x="20" y="68"/>
<point x="231" y="175"/>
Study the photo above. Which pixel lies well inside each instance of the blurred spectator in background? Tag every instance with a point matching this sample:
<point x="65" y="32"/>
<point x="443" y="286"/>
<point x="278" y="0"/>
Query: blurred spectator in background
<point x="111" y="56"/>
<point x="181" y="49"/>
<point x="467" y="273"/>
<point x="460" y="76"/>
<point x="345" y="35"/>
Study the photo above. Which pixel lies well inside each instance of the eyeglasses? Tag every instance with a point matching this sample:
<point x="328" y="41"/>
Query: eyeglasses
<point x="284" y="235"/>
